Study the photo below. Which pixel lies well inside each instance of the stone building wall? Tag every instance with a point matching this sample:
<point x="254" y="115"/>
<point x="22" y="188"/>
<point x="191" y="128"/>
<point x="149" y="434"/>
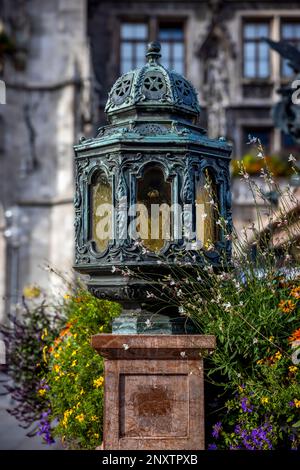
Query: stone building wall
<point x="47" y="109"/>
<point x="66" y="59"/>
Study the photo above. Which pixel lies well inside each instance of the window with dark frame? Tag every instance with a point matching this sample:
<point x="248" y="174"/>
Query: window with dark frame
<point x="288" y="145"/>
<point x="171" y="37"/>
<point x="134" y="37"/>
<point x="290" y="32"/>
<point x="256" y="56"/>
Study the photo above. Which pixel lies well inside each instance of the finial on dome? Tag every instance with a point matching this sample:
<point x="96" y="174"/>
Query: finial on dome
<point x="153" y="53"/>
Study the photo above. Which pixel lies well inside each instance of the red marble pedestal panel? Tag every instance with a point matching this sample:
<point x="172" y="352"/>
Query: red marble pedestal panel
<point x="154" y="398"/>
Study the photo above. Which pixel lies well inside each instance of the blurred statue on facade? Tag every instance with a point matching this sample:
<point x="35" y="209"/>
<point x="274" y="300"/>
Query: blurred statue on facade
<point x="216" y="51"/>
<point x="286" y="113"/>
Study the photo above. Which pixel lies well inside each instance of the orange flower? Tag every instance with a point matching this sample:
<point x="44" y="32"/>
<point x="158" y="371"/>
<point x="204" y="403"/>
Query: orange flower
<point x="296" y="292"/>
<point x="295" y="336"/>
<point x="287" y="306"/>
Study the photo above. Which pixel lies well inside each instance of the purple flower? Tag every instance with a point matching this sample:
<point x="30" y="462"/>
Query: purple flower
<point x="212" y="446"/>
<point x="291" y="403"/>
<point x="45" y="428"/>
<point x="245" y="404"/>
<point x="216" y="430"/>
<point x="256" y="439"/>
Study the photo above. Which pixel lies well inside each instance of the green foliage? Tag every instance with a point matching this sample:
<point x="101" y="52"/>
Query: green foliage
<point x="278" y="164"/>
<point x="58" y="377"/>
<point x="75" y="376"/>
<point x="255" y="322"/>
<point x="27" y="336"/>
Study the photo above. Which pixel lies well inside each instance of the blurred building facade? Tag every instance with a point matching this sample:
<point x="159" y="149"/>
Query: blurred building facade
<point x="59" y="60"/>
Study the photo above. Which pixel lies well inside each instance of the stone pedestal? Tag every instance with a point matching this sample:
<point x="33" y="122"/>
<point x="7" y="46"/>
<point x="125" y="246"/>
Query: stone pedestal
<point x="154" y="397"/>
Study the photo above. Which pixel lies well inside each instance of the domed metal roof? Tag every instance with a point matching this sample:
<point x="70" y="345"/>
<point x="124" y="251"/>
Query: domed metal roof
<point x="152" y="89"/>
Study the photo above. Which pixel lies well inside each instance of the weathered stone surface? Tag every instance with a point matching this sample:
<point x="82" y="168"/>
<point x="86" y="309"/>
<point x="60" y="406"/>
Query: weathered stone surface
<point x="154" y="395"/>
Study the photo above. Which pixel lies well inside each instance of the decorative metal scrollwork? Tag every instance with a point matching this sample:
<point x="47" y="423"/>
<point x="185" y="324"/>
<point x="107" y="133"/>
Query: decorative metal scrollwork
<point x="154" y="86"/>
<point x="121" y="89"/>
<point x="184" y="92"/>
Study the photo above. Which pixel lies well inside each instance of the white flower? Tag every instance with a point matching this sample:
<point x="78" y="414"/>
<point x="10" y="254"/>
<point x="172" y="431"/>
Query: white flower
<point x="125" y="346"/>
<point x="260" y="155"/>
<point x="251" y="139"/>
<point x="181" y="310"/>
<point x="241" y="304"/>
<point x="113" y="269"/>
<point x="149" y="294"/>
<point x="255" y="340"/>
<point x="291" y="158"/>
<point x="182" y="354"/>
<point x="148" y="323"/>
<point x="199" y="278"/>
<point x="204" y="216"/>
<point x="227" y="306"/>
<point x="211" y="201"/>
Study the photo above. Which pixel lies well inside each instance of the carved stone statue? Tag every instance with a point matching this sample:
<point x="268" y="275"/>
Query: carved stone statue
<point x="286" y="114"/>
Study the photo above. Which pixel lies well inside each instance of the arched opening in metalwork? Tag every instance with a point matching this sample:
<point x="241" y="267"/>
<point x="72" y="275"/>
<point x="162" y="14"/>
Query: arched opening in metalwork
<point x="154" y="202"/>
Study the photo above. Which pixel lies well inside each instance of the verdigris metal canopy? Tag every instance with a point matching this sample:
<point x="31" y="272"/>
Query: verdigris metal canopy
<point x="154" y="90"/>
<point x="144" y="185"/>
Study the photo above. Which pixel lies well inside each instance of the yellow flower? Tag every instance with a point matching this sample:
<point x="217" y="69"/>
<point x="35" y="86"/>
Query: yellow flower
<point x="293" y="369"/>
<point x="98" y="382"/>
<point x="41" y="392"/>
<point x="271" y="339"/>
<point x="297" y="403"/>
<point x="264" y="400"/>
<point x="287" y="306"/>
<point x="66" y="296"/>
<point x="278" y="356"/>
<point x="81" y="391"/>
<point x="94" y="418"/>
<point x="45" y="333"/>
<point x="67" y="413"/>
<point x="80" y="418"/>
<point x="56" y="355"/>
<point x="44" y="353"/>
<point x="296" y="292"/>
<point x="101" y="328"/>
<point x="75" y="335"/>
<point x="260" y="361"/>
<point x="74" y="363"/>
<point x="56" y="368"/>
<point x="74" y="353"/>
<point x="31" y="292"/>
<point x="96" y="435"/>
